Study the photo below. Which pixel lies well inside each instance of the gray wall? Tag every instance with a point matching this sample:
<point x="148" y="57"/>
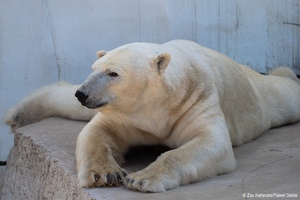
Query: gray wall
<point x="43" y="41"/>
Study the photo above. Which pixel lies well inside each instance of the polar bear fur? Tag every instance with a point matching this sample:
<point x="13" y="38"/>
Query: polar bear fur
<point x="180" y="94"/>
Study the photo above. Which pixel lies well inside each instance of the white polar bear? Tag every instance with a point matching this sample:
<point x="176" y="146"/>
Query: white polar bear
<point x="180" y="94"/>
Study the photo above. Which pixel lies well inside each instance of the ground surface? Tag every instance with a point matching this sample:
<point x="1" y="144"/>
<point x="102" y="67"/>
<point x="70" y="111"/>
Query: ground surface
<point x="42" y="166"/>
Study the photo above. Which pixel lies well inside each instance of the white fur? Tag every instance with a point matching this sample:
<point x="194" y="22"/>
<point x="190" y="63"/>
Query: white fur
<point x="54" y="100"/>
<point x="193" y="99"/>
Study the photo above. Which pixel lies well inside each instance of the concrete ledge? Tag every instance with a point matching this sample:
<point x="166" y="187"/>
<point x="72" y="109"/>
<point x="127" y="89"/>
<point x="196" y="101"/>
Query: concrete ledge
<point x="41" y="165"/>
<point x="2" y="172"/>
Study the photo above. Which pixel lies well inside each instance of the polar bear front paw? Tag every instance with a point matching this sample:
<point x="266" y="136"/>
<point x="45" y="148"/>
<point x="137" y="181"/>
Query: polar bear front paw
<point x="149" y="180"/>
<point x="100" y="176"/>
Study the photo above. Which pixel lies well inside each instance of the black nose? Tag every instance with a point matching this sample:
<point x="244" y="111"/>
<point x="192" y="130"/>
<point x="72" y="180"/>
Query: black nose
<point x="81" y="96"/>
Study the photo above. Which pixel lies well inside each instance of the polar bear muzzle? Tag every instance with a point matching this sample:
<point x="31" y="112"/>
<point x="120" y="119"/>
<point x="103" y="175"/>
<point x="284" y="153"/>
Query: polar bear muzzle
<point x="82" y="98"/>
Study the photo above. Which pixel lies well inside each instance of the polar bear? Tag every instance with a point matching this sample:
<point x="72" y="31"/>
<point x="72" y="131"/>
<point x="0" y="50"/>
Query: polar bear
<point x="180" y="94"/>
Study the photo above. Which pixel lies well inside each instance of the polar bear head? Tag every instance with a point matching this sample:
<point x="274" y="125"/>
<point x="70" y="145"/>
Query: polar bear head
<point x="126" y="78"/>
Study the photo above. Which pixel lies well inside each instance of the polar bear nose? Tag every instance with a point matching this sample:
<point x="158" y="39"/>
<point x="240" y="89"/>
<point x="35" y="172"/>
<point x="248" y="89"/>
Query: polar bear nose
<point x="81" y="97"/>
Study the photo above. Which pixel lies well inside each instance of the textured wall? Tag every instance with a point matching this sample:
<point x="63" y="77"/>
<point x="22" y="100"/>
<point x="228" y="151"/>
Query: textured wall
<point x="42" y="41"/>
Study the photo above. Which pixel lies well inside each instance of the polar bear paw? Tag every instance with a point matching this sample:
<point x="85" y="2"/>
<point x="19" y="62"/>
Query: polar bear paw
<point x="109" y="176"/>
<point x="149" y="180"/>
<point x="16" y="118"/>
<point x="22" y="115"/>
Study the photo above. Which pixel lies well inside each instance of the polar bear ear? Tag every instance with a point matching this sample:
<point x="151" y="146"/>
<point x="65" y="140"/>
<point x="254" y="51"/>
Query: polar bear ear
<point x="101" y="53"/>
<point x="162" y="61"/>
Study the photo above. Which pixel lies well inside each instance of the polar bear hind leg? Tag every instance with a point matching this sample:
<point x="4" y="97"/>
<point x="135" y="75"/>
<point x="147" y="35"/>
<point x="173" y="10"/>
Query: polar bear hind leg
<point x="285" y="72"/>
<point x="49" y="101"/>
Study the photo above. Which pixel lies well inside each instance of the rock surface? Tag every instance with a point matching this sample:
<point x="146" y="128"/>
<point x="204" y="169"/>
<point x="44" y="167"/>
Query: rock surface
<point x="2" y="172"/>
<point x="41" y="165"/>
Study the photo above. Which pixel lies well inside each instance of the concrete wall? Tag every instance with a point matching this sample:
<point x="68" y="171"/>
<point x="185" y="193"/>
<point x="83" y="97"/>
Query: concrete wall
<point x="43" y="41"/>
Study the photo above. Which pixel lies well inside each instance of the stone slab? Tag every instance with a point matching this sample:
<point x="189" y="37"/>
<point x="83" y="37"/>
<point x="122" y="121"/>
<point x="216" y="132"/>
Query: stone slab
<point x="41" y="165"/>
<point x="2" y="172"/>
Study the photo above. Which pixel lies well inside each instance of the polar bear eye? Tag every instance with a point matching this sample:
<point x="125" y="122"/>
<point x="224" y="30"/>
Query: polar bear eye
<point x="113" y="74"/>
